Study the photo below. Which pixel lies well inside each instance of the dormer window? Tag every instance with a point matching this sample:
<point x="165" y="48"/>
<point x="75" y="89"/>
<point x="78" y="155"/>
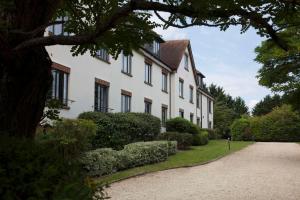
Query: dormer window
<point x="186" y="61"/>
<point x="156" y="47"/>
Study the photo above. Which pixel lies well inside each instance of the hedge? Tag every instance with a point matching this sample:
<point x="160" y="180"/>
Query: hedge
<point x="106" y="160"/>
<point x="281" y="125"/>
<point x="200" y="138"/>
<point x="118" y="129"/>
<point x="240" y="130"/>
<point x="184" y="140"/>
<point x="181" y="125"/>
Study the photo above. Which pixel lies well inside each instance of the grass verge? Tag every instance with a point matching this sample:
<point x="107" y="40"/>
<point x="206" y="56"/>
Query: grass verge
<point x="196" y="156"/>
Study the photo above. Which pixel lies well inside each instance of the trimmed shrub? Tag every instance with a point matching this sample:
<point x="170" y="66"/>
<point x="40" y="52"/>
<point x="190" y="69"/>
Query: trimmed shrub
<point x="240" y="130"/>
<point x="184" y="140"/>
<point x="281" y="125"/>
<point x="201" y="138"/>
<point x="106" y="161"/>
<point x="118" y="129"/>
<point x="212" y="134"/>
<point x="181" y="125"/>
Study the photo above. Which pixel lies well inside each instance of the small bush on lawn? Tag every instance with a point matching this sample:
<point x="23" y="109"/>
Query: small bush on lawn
<point x="32" y="169"/>
<point x="184" y="140"/>
<point x="118" y="129"/>
<point x="181" y="125"/>
<point x="201" y="138"/>
<point x="106" y="161"/>
<point x="212" y="134"/>
<point x="281" y="125"/>
<point x="240" y="130"/>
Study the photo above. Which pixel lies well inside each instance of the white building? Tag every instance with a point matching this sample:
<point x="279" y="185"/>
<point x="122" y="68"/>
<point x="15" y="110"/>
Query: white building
<point x="160" y="79"/>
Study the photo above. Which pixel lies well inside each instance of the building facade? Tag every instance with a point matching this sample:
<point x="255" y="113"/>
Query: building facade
<point x="160" y="79"/>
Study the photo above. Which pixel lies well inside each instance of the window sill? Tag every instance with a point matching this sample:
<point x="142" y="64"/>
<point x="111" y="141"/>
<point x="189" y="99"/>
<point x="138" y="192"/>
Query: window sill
<point x="126" y="73"/>
<point x="148" y="83"/>
<point x="165" y="91"/>
<point x="106" y="61"/>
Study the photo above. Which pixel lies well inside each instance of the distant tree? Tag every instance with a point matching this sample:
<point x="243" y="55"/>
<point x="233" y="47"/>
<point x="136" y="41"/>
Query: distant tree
<point x="226" y="109"/>
<point x="266" y="105"/>
<point x="239" y="107"/>
<point x="223" y="118"/>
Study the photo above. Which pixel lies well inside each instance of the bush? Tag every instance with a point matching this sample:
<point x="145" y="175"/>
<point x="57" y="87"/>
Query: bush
<point x="212" y="134"/>
<point x="281" y="125"/>
<point x="240" y="130"/>
<point x="118" y="129"/>
<point x="181" y="125"/>
<point x="201" y="138"/>
<point x="71" y="136"/>
<point x="184" y="140"/>
<point x="33" y="170"/>
<point x="106" y="161"/>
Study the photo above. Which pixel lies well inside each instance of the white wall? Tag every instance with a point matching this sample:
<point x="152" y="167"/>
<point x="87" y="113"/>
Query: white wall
<point x="84" y="70"/>
<point x="184" y="103"/>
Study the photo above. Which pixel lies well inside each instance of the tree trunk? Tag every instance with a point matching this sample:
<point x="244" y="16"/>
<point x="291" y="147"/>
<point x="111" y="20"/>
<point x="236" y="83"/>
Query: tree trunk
<point x="25" y="79"/>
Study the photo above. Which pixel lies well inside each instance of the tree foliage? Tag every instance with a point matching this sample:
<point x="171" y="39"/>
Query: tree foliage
<point x="267" y="105"/>
<point x="226" y="109"/>
<point x="281" y="69"/>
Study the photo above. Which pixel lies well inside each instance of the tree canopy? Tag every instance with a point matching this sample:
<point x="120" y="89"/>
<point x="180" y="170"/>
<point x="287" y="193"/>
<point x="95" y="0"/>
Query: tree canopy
<point x="266" y="105"/>
<point x="281" y="69"/>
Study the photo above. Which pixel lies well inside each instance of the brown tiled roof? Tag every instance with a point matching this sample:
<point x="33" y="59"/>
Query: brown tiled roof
<point x="171" y="52"/>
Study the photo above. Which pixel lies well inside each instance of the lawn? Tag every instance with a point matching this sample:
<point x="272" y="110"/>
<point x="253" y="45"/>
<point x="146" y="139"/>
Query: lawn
<point x="196" y="156"/>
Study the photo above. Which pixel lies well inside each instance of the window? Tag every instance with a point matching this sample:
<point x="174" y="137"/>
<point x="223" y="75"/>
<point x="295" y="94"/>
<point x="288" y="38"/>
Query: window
<point x="156" y="47"/>
<point x="148" y="73"/>
<point x="191" y="117"/>
<point x="148" y="106"/>
<point x="59" y="29"/>
<point x="101" y="98"/>
<point x="164" y="82"/>
<point x="181" y="113"/>
<point x="191" y="94"/>
<point x="126" y="64"/>
<point x="186" y="61"/>
<point x="181" y="88"/>
<point x="209" y="106"/>
<point x="60" y="86"/>
<point x="198" y="100"/>
<point x="125" y="103"/>
<point x="198" y="121"/>
<point x="164" y="115"/>
<point x="102" y="54"/>
<point x="209" y="125"/>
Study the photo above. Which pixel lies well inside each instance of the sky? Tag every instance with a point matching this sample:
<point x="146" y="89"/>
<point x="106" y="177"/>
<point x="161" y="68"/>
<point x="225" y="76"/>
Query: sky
<point x="225" y="58"/>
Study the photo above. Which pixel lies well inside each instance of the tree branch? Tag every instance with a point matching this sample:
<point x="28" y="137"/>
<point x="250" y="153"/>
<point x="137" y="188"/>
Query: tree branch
<point x="256" y="20"/>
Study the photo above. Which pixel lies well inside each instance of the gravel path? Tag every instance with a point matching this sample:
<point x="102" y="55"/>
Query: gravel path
<point x="264" y="171"/>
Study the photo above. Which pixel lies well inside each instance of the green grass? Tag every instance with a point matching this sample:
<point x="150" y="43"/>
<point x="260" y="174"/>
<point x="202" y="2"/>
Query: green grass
<point x="197" y="155"/>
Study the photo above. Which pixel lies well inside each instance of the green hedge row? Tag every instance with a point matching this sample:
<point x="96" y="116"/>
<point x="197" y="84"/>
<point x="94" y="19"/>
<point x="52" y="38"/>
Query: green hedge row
<point x="280" y="125"/>
<point x="106" y="160"/>
<point x="114" y="130"/>
<point x="184" y="140"/>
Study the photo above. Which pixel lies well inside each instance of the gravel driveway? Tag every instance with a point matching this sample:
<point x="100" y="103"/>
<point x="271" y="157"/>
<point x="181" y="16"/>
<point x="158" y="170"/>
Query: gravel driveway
<point x="261" y="171"/>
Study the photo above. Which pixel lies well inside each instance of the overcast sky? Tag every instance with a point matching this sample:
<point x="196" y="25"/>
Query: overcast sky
<point x="225" y="58"/>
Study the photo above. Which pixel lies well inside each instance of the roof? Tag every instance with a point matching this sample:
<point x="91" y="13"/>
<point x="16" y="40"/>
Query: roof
<point x="171" y="52"/>
<point x="200" y="74"/>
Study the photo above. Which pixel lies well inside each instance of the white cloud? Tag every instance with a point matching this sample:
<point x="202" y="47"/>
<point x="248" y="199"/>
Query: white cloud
<point x="252" y="103"/>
